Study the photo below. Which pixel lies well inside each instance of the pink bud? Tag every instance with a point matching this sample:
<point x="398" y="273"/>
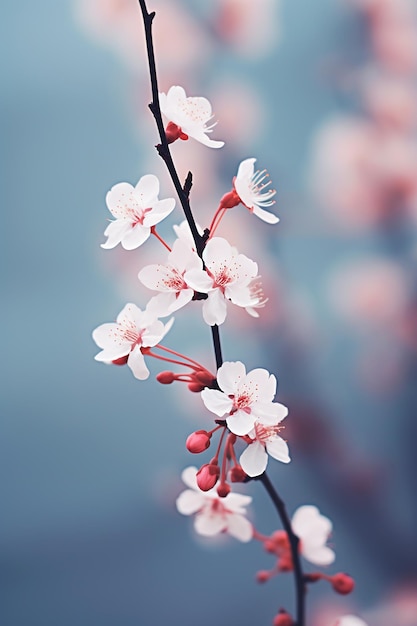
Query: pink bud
<point x="237" y="475"/>
<point x="223" y="490"/>
<point x="166" y="378"/>
<point x="195" y="387"/>
<point x="203" y="376"/>
<point x="207" y="476"/>
<point x="198" y="442"/>
<point x="174" y="132"/>
<point x="263" y="576"/>
<point x="342" y="583"/>
<point x="283" y="619"/>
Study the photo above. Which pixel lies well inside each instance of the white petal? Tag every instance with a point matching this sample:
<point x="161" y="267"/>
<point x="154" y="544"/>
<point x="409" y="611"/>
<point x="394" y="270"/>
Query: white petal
<point x="308" y="516"/>
<point x="239" y="527"/>
<point x="265" y="216"/>
<point x="147" y="190"/>
<point x="350" y="620"/>
<point x="121" y="201"/>
<point x="216" y="401"/>
<point x="240" y="423"/>
<point x="237" y="502"/>
<point x="322" y="555"/>
<point x="160" y="210"/>
<point x="278" y="449"/>
<point x="184" y="297"/>
<point x="189" y="477"/>
<point x="115" y="232"/>
<point x="217" y="250"/>
<point x="189" y="502"/>
<point x="270" y="413"/>
<point x="246" y="169"/>
<point x="230" y="375"/>
<point x="157" y="277"/>
<point x="136" y="362"/>
<point x="215" y="308"/>
<point x="254" y="459"/>
<point x="198" y="280"/>
<point x="208" y="524"/>
<point x="135" y="237"/>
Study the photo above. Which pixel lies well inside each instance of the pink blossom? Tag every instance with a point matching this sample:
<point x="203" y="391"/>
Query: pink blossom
<point x="134" y="329"/>
<point x="169" y="278"/>
<point x="213" y="514"/>
<point x="189" y="114"/>
<point x="313" y="530"/>
<point x="244" y="398"/>
<point x="136" y="210"/>
<point x="227" y="276"/>
<point x="251" y="189"/>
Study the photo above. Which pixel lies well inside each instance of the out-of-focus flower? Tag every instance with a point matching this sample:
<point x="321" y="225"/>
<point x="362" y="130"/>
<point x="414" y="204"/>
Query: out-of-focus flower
<point x="237" y="20"/>
<point x="169" y="278"/>
<point x="390" y="100"/>
<point x="251" y="189"/>
<point x="265" y="440"/>
<point x="121" y="342"/>
<point x="244" y="398"/>
<point x="227" y="276"/>
<point x="190" y="115"/>
<point x="136" y="210"/>
<point x="313" y="530"/>
<point x="213" y="514"/>
<point x="350" y="620"/>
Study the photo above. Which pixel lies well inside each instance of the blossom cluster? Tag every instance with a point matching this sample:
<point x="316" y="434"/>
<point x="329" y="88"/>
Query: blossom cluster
<point x="207" y="268"/>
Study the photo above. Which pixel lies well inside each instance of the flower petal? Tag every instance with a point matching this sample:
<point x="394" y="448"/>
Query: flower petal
<point x="147" y="190"/>
<point x="216" y="401"/>
<point x="278" y="449"/>
<point x="189" y="502"/>
<point x="239" y="527"/>
<point x="135" y="237"/>
<point x="215" y="308"/>
<point x="230" y="375"/>
<point x="160" y="210"/>
<point x="265" y="216"/>
<point x="136" y="362"/>
<point x="254" y="459"/>
<point x="208" y="524"/>
<point x="240" y="423"/>
<point x="115" y="232"/>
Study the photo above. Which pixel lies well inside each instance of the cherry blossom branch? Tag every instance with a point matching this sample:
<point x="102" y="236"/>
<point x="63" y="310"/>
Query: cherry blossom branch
<point x="294" y="544"/>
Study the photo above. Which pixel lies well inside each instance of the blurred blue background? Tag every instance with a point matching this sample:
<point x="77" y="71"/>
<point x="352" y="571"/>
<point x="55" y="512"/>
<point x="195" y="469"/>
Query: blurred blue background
<point x="91" y="457"/>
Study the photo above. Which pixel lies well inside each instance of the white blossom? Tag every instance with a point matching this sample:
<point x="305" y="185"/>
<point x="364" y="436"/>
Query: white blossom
<point x="313" y="530"/>
<point x="214" y="514"/>
<point x="265" y="441"/>
<point x="227" y="276"/>
<point x="134" y="329"/>
<point x="350" y="620"/>
<point x="136" y="210"/>
<point x="252" y="190"/>
<point x="244" y="398"/>
<point x="191" y="115"/>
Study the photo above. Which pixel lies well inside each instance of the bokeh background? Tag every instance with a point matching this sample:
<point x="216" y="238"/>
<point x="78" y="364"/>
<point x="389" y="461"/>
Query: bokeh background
<point x="323" y="94"/>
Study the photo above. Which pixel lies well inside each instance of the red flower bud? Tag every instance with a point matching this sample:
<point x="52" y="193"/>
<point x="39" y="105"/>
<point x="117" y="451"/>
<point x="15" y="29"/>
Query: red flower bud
<point x="237" y="475"/>
<point x="342" y="583"/>
<point x="223" y="490"/>
<point x="166" y="378"/>
<point x="174" y="132"/>
<point x="203" y="376"/>
<point x="229" y="200"/>
<point x="198" y="442"/>
<point x="263" y="576"/>
<point x="207" y="476"/>
<point x="280" y="539"/>
<point x="283" y="619"/>
<point x="195" y="387"/>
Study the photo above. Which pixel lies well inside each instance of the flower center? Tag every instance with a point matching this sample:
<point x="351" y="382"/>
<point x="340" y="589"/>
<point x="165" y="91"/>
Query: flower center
<point x="264" y="433"/>
<point x="175" y="282"/>
<point x="241" y="402"/>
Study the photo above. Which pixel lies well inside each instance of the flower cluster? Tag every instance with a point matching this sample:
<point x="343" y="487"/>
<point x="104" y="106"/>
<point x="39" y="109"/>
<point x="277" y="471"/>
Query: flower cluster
<point x="204" y="269"/>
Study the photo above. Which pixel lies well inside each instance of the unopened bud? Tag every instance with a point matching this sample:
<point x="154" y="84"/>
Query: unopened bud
<point x="285" y="563"/>
<point x="283" y="619"/>
<point x="203" y="376"/>
<point x="198" y="442"/>
<point x="280" y="538"/>
<point x="121" y="361"/>
<point x="166" y="378"/>
<point x="263" y="576"/>
<point x="207" y="476"/>
<point x="237" y="475"/>
<point x="223" y="490"/>
<point x="195" y="387"/>
<point x="342" y="583"/>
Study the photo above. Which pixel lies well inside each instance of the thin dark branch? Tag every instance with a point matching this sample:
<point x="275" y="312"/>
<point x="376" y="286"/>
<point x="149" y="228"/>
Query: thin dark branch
<point x="294" y="543"/>
<point x="188" y="184"/>
<point x="163" y="147"/>
<point x="217" y="347"/>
